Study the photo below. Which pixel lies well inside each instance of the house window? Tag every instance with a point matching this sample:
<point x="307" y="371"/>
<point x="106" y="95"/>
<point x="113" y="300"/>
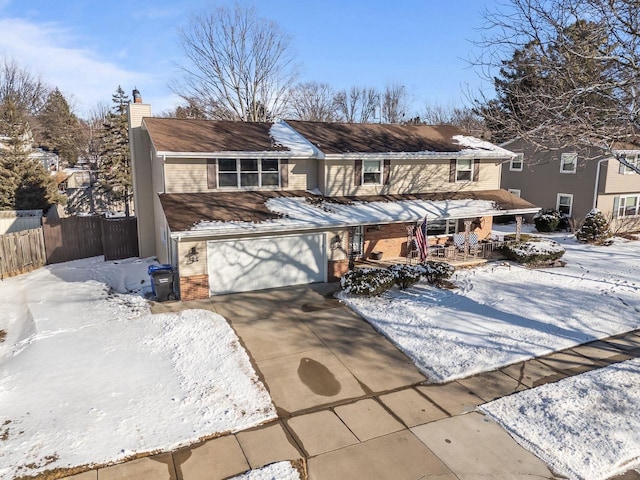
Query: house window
<point x="627" y="206"/>
<point x="372" y="172"/>
<point x="568" y="162"/>
<point x="517" y="162"/>
<point x="248" y="173"/>
<point x="514" y="191"/>
<point x="464" y="170"/>
<point x="564" y="203"/>
<point x="633" y="160"/>
<point x="441" y="226"/>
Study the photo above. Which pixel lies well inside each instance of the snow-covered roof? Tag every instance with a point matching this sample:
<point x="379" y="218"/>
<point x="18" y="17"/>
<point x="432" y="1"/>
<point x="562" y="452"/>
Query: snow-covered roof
<point x="206" y="215"/>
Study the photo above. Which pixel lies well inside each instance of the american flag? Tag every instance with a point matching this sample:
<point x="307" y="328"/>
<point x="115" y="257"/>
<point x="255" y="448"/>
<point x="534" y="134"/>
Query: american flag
<point x="422" y="240"/>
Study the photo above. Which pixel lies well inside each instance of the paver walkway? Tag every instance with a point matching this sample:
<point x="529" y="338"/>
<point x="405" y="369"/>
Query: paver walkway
<point x="354" y="407"/>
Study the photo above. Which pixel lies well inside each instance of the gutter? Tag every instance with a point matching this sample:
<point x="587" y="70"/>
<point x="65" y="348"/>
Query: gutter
<point x="597" y="182"/>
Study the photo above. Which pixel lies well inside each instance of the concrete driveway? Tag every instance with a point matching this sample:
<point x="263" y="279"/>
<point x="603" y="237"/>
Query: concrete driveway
<point x="351" y="405"/>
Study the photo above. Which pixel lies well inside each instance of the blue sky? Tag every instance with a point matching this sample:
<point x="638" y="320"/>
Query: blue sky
<point x="87" y="48"/>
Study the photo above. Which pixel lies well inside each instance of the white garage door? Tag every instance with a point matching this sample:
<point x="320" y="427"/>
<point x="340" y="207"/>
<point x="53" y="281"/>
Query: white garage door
<point x="268" y="262"/>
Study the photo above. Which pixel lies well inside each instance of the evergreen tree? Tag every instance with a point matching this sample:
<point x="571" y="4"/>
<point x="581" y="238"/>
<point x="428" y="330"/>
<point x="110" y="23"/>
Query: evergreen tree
<point x="115" y="161"/>
<point x="594" y="229"/>
<point x="60" y="130"/>
<point x="25" y="183"/>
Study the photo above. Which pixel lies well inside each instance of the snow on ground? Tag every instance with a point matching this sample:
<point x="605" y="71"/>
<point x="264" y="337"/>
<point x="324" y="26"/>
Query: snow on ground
<point x="275" y="471"/>
<point x="505" y="313"/>
<point x="89" y="376"/>
<point x="584" y="427"/>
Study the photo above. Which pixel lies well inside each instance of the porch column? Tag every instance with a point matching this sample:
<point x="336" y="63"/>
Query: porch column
<point x="518" y="227"/>
<point x="467" y="232"/>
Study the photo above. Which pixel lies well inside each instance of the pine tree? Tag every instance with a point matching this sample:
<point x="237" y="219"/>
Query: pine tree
<point x="115" y="161"/>
<point x="594" y="229"/>
<point x="60" y="130"/>
<point x="25" y="183"/>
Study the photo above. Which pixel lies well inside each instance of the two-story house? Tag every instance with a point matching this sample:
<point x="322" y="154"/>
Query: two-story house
<point x="574" y="181"/>
<point x="245" y="206"/>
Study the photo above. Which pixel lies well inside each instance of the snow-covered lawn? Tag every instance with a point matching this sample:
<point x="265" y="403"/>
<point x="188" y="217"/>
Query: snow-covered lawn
<point x="584" y="427"/>
<point x="89" y="376"/>
<point x="505" y="313"/>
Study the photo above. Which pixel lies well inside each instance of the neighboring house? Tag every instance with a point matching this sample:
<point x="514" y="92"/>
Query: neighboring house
<point x="245" y="206"/>
<point x="574" y="181"/>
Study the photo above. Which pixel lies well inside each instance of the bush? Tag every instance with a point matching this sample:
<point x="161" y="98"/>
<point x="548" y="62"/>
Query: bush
<point x="594" y="229"/>
<point x="367" y="281"/>
<point x="547" y="220"/>
<point x="436" y="272"/>
<point x="534" y="252"/>
<point x="406" y="275"/>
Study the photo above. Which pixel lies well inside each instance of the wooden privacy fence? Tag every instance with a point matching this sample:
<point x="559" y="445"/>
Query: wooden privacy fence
<point x="73" y="238"/>
<point x="21" y="252"/>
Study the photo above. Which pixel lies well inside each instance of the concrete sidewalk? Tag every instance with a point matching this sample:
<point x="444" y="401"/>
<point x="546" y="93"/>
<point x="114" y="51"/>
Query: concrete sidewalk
<point x="352" y="406"/>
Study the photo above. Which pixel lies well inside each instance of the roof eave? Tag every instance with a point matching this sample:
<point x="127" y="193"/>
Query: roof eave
<point x="232" y="154"/>
<point x="465" y="154"/>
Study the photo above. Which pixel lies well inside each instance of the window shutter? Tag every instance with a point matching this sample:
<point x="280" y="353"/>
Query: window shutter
<point x="284" y="173"/>
<point x="476" y="169"/>
<point x="357" y="173"/>
<point x="212" y="173"/>
<point x="452" y="170"/>
<point x="386" y="172"/>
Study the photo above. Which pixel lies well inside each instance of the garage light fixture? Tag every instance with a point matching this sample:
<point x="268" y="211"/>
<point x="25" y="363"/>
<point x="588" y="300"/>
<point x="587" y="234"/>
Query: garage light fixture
<point x="192" y="256"/>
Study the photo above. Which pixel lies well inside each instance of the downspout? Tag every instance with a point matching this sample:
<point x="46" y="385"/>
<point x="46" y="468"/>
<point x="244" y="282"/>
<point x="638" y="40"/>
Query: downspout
<point x="597" y="182"/>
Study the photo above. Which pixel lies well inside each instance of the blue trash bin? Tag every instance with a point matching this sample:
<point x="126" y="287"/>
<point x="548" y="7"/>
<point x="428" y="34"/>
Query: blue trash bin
<point x="162" y="278"/>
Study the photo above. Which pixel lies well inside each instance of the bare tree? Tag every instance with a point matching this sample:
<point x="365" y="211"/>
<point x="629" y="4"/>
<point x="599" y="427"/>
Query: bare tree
<point x="463" y="117"/>
<point x="240" y="66"/>
<point x="314" y="102"/>
<point x="395" y="103"/>
<point x="358" y="105"/>
<point x="26" y="91"/>
<point x="566" y="72"/>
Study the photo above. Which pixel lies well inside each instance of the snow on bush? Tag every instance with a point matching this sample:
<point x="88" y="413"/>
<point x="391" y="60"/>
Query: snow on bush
<point x="535" y="251"/>
<point x="367" y="281"/>
<point x="594" y="229"/>
<point x="407" y="275"/>
<point x="547" y="220"/>
<point x="435" y="272"/>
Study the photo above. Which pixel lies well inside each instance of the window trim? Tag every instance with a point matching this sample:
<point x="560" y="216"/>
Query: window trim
<point x="570" y="195"/>
<point x="238" y="172"/>
<point x="471" y="167"/>
<point x="380" y="173"/>
<point x="575" y="164"/>
<point x="515" y="191"/>
<point x="518" y="156"/>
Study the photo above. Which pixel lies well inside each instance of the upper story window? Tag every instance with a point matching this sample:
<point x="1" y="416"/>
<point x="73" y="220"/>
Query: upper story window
<point x="372" y="172"/>
<point x="464" y="170"/>
<point x="568" y="162"/>
<point x="517" y="162"/>
<point x="631" y="159"/>
<point x="248" y="173"/>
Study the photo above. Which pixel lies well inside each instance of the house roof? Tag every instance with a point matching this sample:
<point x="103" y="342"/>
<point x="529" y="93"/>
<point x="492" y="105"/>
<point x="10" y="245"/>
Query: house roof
<point x="213" y="214"/>
<point x="206" y="136"/>
<point x="313" y="139"/>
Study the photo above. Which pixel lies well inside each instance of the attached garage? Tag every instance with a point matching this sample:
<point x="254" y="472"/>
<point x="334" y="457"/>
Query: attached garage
<point x="266" y="262"/>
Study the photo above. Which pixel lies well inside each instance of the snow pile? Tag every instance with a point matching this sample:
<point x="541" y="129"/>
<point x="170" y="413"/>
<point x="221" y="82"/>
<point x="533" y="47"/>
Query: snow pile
<point x="275" y="471"/>
<point x="587" y="426"/>
<point x="474" y="144"/>
<point x="502" y="314"/>
<point x="541" y="246"/>
<point x="88" y="376"/>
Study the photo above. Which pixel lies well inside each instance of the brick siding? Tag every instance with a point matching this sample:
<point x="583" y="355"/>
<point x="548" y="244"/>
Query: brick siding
<point x="195" y="287"/>
<point x="336" y="269"/>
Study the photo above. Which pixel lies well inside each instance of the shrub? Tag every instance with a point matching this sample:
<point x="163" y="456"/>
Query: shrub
<point x="536" y="251"/>
<point x="436" y="272"/>
<point x="406" y="275"/>
<point x="594" y="229"/>
<point x="547" y="220"/>
<point x="367" y="281"/>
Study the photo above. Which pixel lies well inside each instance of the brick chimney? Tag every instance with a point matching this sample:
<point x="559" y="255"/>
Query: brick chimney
<point x="137" y="98"/>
